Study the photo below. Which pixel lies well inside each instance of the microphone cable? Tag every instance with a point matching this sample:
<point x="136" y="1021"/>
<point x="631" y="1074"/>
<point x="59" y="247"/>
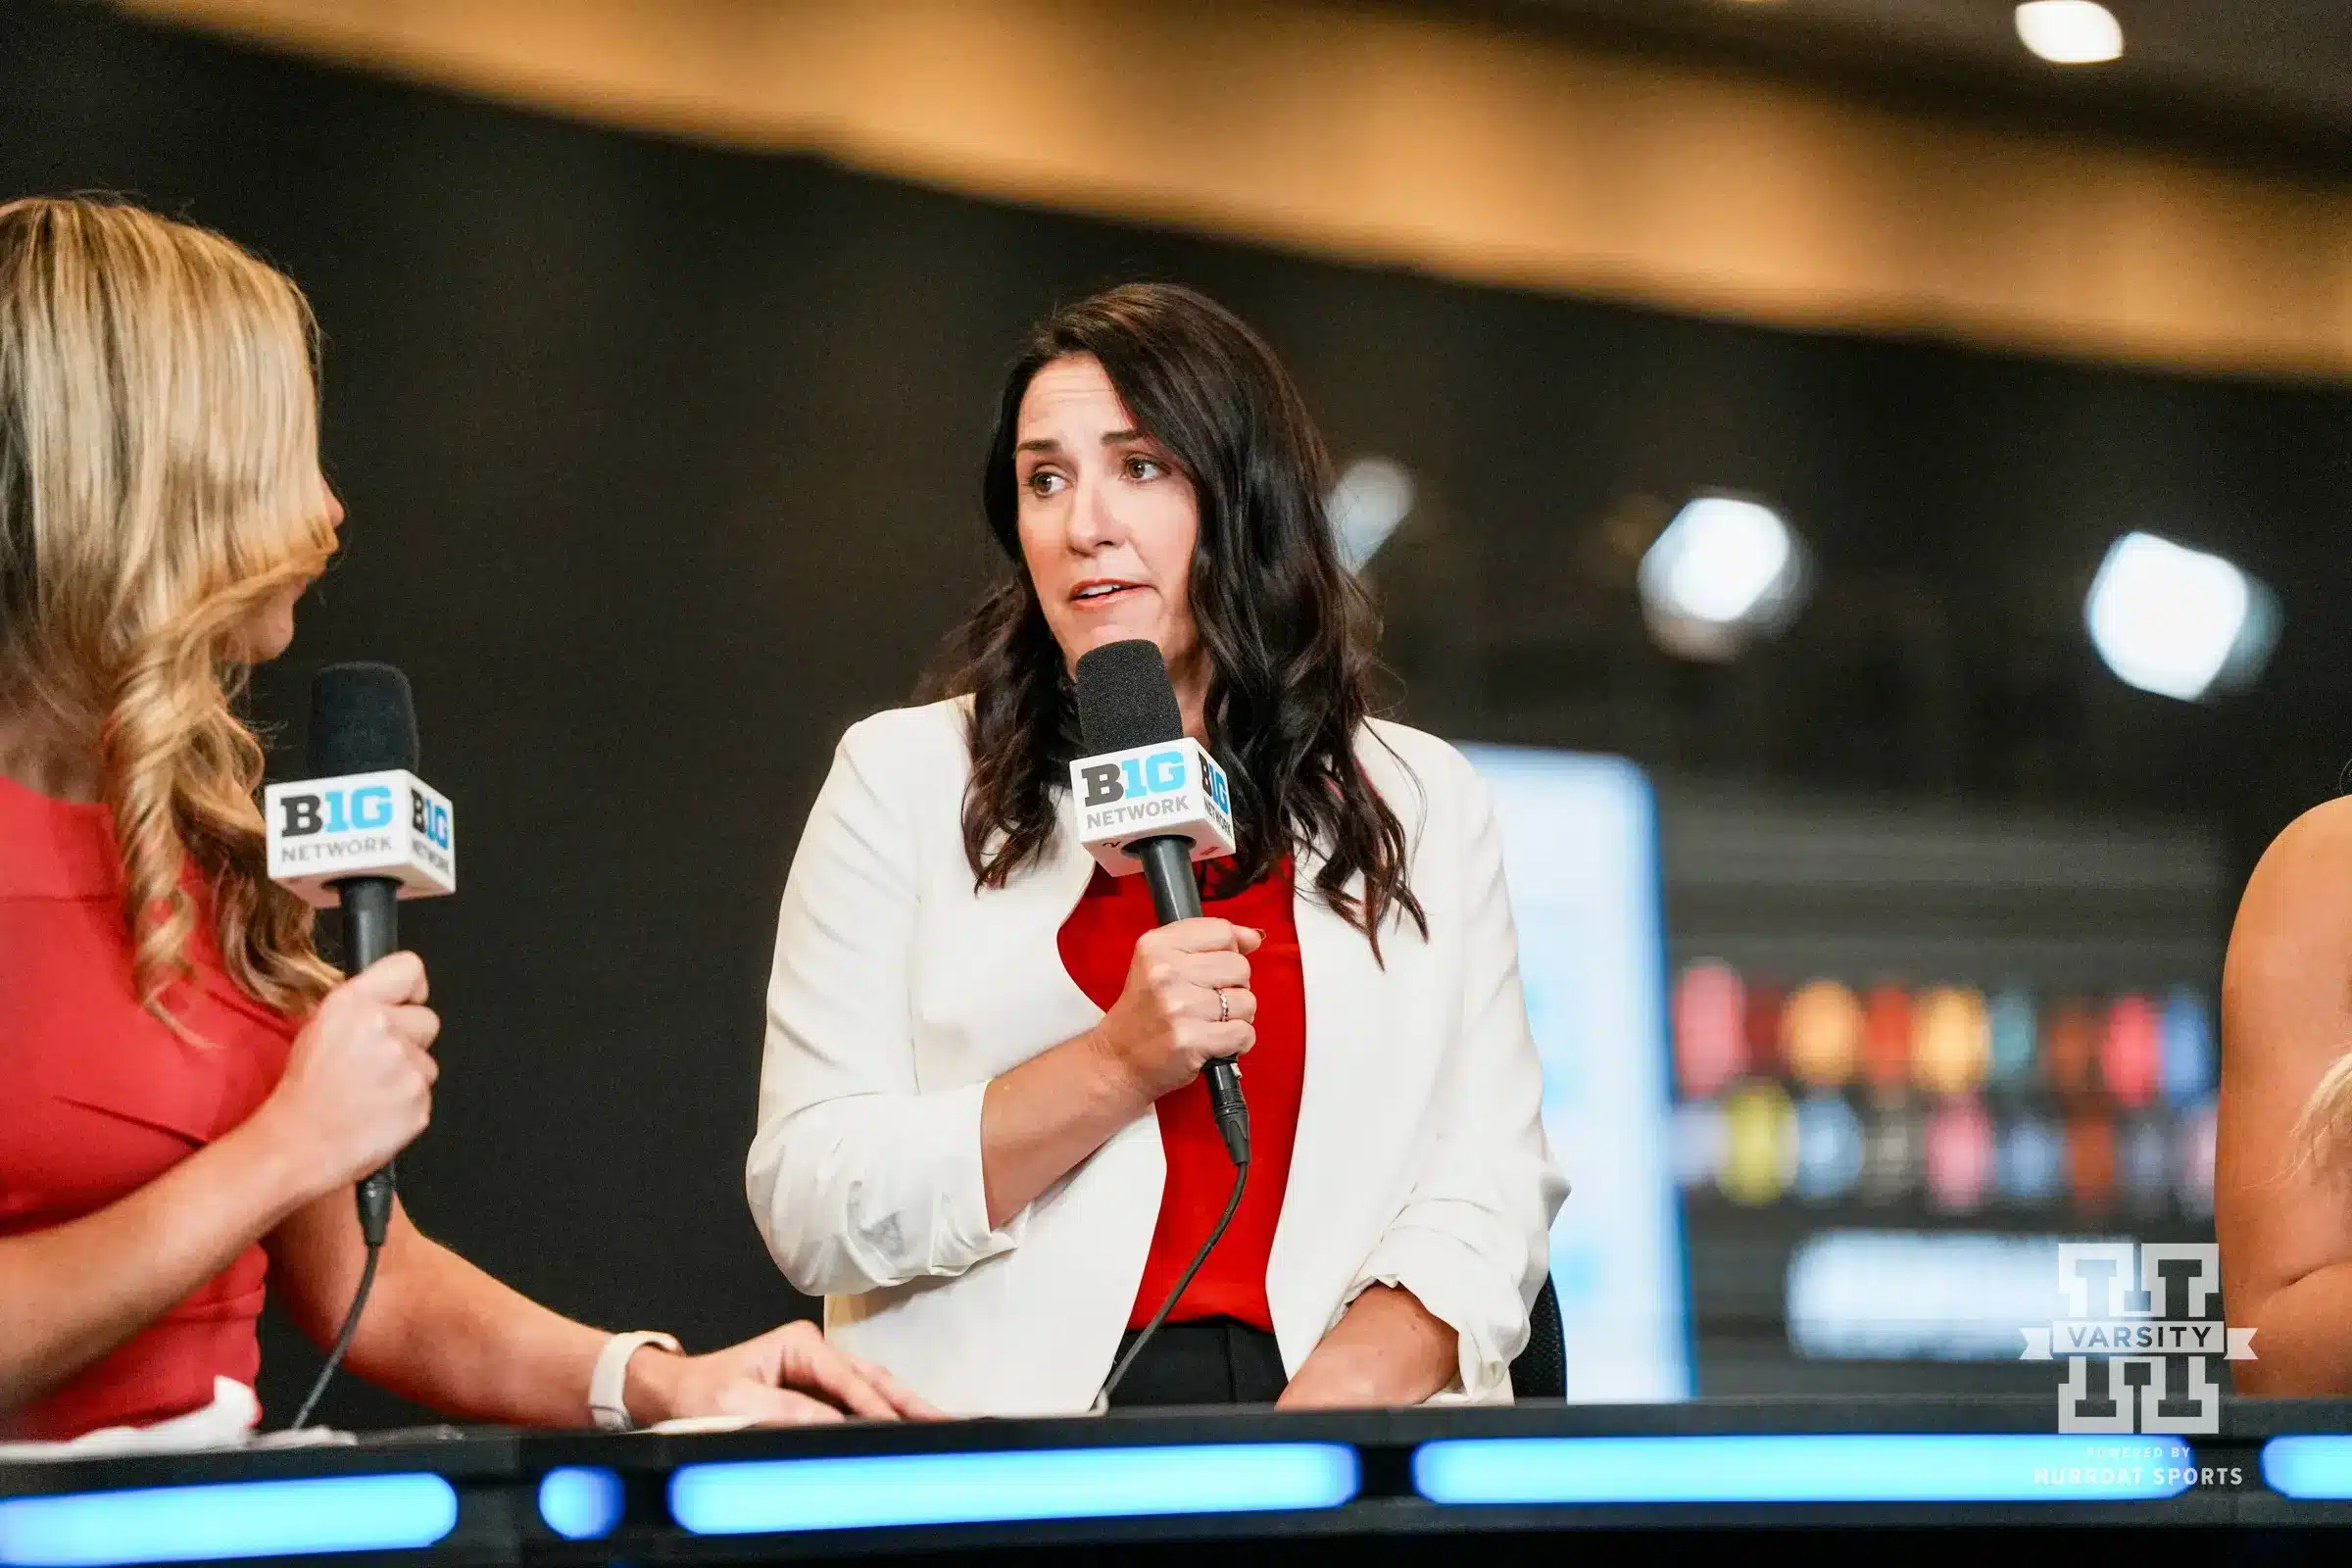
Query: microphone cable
<point x="350" y="1325"/>
<point x="1240" y="1179"/>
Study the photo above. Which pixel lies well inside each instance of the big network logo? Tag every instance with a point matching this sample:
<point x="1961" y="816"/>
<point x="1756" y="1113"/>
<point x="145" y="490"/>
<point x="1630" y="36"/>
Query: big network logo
<point x="359" y="810"/>
<point x="1139" y="777"/>
<point x="2135" y="1326"/>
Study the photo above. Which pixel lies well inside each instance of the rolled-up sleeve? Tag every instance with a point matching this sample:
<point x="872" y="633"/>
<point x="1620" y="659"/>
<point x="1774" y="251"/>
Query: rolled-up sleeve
<point x="858" y="1179"/>
<point x="1472" y="1241"/>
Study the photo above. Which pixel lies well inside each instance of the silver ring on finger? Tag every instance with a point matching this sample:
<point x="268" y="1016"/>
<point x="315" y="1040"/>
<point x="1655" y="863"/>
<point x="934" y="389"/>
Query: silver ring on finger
<point x="1224" y="1015"/>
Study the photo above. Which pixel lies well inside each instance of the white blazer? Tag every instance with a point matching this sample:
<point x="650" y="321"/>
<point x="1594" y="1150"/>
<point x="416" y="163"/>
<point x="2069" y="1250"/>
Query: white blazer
<point x="900" y="991"/>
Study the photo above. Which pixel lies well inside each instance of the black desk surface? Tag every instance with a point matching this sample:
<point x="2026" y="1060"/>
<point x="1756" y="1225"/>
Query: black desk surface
<point x="1041" y="1487"/>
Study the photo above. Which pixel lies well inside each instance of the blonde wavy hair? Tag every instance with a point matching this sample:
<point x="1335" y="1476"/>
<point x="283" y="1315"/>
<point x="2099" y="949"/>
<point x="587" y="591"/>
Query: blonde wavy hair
<point x="2323" y="1129"/>
<point x="159" y="485"/>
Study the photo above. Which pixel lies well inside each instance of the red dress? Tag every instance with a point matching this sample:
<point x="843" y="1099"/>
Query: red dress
<point x="1097" y="945"/>
<point x="97" y="1098"/>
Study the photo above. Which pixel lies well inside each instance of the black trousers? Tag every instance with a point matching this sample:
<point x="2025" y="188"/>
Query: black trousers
<point x="1217" y="1361"/>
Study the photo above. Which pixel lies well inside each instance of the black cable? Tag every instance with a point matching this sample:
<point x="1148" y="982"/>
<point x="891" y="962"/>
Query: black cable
<point x="351" y="1324"/>
<point x="1240" y="1179"/>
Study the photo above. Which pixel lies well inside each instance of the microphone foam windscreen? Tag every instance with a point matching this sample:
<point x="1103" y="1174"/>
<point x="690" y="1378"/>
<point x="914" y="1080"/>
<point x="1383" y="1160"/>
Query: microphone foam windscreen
<point x="1125" y="697"/>
<point x="363" y="721"/>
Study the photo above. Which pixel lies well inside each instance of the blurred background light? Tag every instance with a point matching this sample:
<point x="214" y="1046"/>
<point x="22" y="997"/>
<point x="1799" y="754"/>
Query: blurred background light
<point x="1950" y="1039"/>
<point x="1724" y="572"/>
<point x="1959" y="1155"/>
<point x="1887" y="1037"/>
<point x="2192" y="1153"/>
<point x="2144" y="1161"/>
<point x="2011" y="1028"/>
<point x="2030" y="1161"/>
<point x="2188" y="1053"/>
<point x="2069" y="32"/>
<point x="2131" y="1053"/>
<point x="1372" y="498"/>
<point x="2091" y="1161"/>
<point x="1710" y="1027"/>
<point x="1821" y="1032"/>
<point x="1699" y="1143"/>
<point x="1893" y="1152"/>
<point x="1760" y="1149"/>
<point x="2177" y="621"/>
<point x="1860" y="1294"/>
<point x="1828" y="1148"/>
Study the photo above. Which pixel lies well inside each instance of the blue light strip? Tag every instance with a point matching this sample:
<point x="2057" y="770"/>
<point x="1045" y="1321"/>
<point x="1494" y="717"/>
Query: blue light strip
<point x="756" y="1497"/>
<point x="581" y="1503"/>
<point x="1804" y="1468"/>
<point x="236" y="1519"/>
<point x="2314" y="1468"/>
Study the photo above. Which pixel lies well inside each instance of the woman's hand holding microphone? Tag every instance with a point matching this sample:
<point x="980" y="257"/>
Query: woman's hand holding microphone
<point x="357" y="1085"/>
<point x="1187" y="1002"/>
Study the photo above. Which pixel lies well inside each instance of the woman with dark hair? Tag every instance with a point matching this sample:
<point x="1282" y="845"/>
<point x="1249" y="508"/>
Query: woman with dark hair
<point x="983" y="1133"/>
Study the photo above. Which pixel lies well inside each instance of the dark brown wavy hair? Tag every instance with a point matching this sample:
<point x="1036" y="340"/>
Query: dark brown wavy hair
<point x="1287" y="631"/>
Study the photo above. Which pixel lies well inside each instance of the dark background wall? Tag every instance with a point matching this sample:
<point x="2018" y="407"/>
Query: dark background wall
<point x="661" y="469"/>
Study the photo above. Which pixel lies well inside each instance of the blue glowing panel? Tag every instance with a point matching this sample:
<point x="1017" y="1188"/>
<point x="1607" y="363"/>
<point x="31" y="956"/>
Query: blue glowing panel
<point x="580" y="1504"/>
<point x="237" y="1519"/>
<point x="758" y="1496"/>
<point x="2315" y="1468"/>
<point x="1895" y="1468"/>
<point x="1580" y="841"/>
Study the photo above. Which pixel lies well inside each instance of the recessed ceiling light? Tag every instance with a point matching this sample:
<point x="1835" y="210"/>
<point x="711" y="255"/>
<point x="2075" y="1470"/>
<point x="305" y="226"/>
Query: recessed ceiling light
<point x="1367" y="504"/>
<point x="1724" y="572"/>
<point x="2069" y="32"/>
<point x="2177" y="621"/>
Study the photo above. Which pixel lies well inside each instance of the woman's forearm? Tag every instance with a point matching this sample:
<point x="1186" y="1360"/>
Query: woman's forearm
<point x="1385" y="1350"/>
<point x="2302" y="1348"/>
<point x="451" y="1337"/>
<point x="437" y="1329"/>
<point x="1039" y="1120"/>
<point x="72" y="1293"/>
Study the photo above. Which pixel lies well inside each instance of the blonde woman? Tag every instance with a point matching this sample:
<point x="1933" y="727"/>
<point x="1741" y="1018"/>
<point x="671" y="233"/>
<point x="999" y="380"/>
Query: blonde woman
<point x="2282" y="1176"/>
<point x="187" y="1091"/>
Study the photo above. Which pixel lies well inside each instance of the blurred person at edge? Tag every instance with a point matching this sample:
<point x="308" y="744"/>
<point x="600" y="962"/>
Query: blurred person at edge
<point x="982" y="1131"/>
<point x="189" y="1091"/>
<point x="2282" y="1167"/>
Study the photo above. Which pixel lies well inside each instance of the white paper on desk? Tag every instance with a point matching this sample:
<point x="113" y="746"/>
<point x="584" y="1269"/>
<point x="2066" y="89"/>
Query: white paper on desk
<point x="705" y="1423"/>
<point x="226" y="1423"/>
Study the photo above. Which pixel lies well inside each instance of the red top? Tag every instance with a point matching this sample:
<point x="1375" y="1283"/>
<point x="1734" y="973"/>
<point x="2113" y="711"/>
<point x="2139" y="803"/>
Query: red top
<point x="1097" y="945"/>
<point x="102" y="1099"/>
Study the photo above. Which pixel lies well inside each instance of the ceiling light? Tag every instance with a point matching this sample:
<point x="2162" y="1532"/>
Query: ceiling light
<point x="1372" y="498"/>
<point x="2177" y="621"/>
<point x="2069" y="32"/>
<point x="1724" y="572"/>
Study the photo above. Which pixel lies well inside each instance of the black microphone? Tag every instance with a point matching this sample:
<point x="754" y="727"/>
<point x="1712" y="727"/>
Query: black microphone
<point x="1126" y="703"/>
<point x="363" y="831"/>
<point x="364" y="720"/>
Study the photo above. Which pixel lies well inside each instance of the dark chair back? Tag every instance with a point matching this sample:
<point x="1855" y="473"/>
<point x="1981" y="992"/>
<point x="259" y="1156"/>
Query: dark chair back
<point x="1541" y="1370"/>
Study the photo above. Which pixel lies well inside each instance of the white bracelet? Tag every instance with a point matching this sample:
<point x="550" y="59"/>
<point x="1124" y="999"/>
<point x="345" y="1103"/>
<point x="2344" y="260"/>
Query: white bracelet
<point x="611" y="1376"/>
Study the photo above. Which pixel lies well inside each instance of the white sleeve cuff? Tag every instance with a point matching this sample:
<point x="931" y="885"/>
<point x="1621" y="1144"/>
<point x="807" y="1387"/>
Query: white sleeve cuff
<point x="961" y="1235"/>
<point x="1461" y="1290"/>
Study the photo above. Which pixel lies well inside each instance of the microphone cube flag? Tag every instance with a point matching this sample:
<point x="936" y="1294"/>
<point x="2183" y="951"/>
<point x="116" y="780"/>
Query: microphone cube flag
<point x="1166" y="789"/>
<point x="390" y="824"/>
